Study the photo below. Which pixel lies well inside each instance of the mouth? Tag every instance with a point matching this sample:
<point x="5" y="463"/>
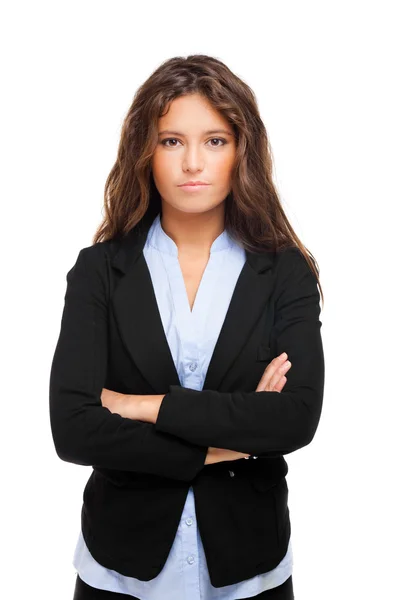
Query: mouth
<point x="192" y="187"/>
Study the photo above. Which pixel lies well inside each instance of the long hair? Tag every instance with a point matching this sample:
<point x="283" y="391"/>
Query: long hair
<point x="254" y="215"/>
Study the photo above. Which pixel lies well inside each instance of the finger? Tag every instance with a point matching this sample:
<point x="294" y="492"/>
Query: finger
<point x="269" y="371"/>
<point x="279" y="372"/>
<point x="280" y="385"/>
<point x="274" y="369"/>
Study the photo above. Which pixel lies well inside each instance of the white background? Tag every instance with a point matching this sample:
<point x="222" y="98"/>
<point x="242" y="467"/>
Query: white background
<point x="326" y="77"/>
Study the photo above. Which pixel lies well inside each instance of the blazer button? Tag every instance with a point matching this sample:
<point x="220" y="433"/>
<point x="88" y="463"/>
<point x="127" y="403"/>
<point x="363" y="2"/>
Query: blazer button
<point x="232" y="473"/>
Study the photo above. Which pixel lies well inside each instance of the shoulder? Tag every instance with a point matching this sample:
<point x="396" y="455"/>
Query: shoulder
<point x="91" y="266"/>
<point x="293" y="273"/>
<point x="291" y="259"/>
<point x="95" y="257"/>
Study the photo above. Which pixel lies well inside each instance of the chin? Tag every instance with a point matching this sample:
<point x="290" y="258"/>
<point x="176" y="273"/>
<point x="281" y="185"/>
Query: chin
<point x="194" y="206"/>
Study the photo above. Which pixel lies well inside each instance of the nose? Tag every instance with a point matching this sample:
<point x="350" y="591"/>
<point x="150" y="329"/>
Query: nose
<point x="193" y="159"/>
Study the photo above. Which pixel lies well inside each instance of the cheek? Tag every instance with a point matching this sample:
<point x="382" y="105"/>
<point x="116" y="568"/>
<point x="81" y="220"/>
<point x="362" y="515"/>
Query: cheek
<point x="157" y="163"/>
<point x="161" y="169"/>
<point x="223" y="171"/>
<point x="225" y="161"/>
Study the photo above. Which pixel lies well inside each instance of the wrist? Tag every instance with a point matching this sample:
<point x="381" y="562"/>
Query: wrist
<point x="210" y="457"/>
<point x="128" y="406"/>
<point x="149" y="406"/>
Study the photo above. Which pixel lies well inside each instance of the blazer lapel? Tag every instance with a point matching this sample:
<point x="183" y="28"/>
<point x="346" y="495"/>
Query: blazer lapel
<point x="139" y="322"/>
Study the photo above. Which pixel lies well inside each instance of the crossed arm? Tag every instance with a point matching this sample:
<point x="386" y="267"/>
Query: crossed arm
<point x="147" y="407"/>
<point x="132" y="406"/>
<point x="260" y="422"/>
<point x="172" y="432"/>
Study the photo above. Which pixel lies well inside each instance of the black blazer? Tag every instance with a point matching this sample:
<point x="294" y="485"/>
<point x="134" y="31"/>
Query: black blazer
<point x="112" y="336"/>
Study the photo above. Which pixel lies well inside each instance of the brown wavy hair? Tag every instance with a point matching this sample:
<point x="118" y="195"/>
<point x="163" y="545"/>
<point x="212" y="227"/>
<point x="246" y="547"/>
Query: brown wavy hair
<point x="254" y="215"/>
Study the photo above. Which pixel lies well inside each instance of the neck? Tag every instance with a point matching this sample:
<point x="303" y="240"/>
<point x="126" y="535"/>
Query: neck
<point x="193" y="233"/>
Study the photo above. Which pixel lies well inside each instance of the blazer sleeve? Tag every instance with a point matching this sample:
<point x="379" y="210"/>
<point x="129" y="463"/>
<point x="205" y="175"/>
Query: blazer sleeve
<point x="268" y="422"/>
<point x="84" y="432"/>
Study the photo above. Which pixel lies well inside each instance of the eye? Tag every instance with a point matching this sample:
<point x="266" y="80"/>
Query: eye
<point x="218" y="140"/>
<point x="168" y="140"/>
<point x="164" y="142"/>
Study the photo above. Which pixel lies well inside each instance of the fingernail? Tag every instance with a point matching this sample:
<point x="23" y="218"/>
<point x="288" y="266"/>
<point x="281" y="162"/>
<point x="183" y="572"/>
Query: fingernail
<point x="284" y="355"/>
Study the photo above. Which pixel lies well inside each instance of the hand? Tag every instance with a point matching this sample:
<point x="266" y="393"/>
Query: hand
<point x="273" y="378"/>
<point x="215" y="455"/>
<point x="126" y="405"/>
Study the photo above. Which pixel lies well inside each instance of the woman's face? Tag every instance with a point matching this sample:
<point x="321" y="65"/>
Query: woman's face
<point x="199" y="145"/>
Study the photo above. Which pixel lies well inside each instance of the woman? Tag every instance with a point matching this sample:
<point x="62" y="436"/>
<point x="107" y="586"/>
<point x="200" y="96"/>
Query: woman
<point x="190" y="357"/>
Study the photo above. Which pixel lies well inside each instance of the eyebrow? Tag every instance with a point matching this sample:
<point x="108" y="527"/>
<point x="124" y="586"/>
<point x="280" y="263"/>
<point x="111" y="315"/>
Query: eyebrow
<point x="209" y="132"/>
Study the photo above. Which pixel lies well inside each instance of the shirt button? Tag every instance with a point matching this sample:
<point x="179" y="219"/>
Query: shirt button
<point x="193" y="366"/>
<point x="190" y="560"/>
<point x="189" y="521"/>
<point x="232" y="473"/>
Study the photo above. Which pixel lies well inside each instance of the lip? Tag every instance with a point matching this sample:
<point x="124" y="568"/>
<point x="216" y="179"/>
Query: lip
<point x="197" y="182"/>
<point x="193" y="187"/>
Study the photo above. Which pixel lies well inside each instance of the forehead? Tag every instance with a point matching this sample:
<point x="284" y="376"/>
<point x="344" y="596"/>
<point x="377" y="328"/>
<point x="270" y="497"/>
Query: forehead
<point x="192" y="115"/>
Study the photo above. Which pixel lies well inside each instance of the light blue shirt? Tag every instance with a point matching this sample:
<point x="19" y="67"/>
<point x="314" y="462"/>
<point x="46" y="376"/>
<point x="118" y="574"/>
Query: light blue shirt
<point x="191" y="336"/>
